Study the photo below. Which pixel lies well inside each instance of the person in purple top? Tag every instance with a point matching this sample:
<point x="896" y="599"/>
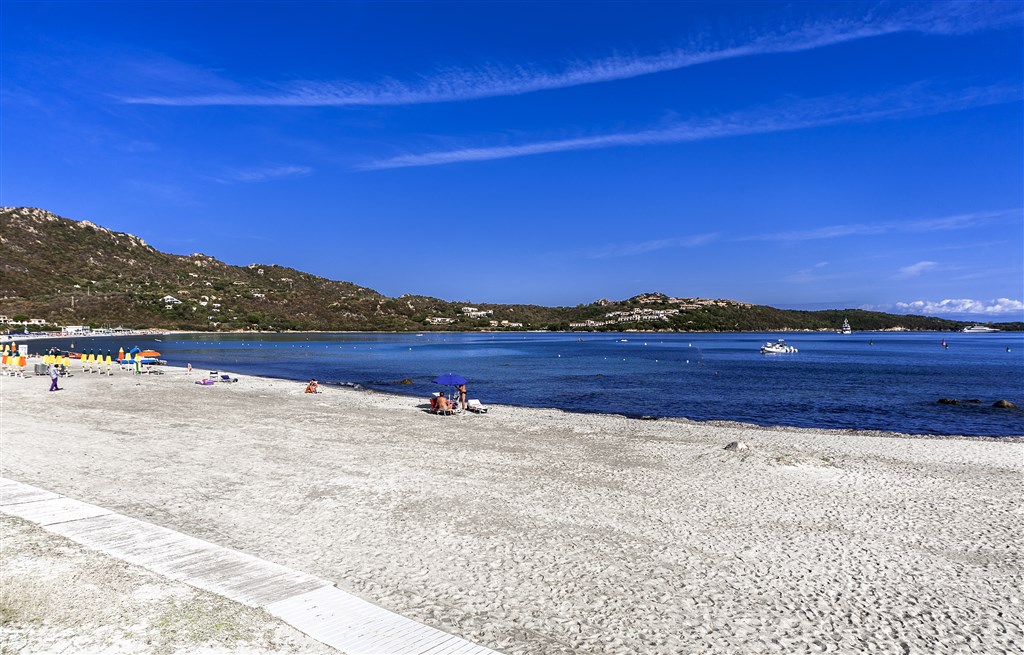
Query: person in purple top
<point x="53" y="378"/>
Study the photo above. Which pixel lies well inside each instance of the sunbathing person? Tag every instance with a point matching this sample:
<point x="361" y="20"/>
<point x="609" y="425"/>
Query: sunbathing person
<point x="312" y="387"/>
<point x="441" y="403"/>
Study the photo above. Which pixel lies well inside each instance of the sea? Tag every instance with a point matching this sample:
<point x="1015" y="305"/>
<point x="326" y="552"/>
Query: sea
<point x="887" y="381"/>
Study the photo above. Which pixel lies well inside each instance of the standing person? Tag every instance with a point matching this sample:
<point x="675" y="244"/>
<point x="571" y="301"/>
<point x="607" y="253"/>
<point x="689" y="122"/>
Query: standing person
<point x="189" y="371"/>
<point x="462" y="394"/>
<point x="53" y="378"/>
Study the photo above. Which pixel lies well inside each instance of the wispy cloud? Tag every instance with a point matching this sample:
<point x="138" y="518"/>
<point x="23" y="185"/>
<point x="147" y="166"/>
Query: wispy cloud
<point x="166" y="192"/>
<point x="917" y="269"/>
<point x="262" y="174"/>
<point x="643" y="247"/>
<point x="493" y="81"/>
<point x="912" y="101"/>
<point x="957" y="222"/>
<point x="994" y="307"/>
<point x="814" y="274"/>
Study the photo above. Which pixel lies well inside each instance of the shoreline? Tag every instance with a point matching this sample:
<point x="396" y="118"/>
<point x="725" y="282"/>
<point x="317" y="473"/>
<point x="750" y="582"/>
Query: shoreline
<point x="358" y="387"/>
<point x="149" y="332"/>
<point x="532" y="530"/>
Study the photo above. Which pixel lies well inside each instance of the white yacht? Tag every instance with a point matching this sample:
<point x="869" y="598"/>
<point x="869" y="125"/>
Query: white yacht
<point x="979" y="329"/>
<point x="846" y="329"/>
<point x="777" y="347"/>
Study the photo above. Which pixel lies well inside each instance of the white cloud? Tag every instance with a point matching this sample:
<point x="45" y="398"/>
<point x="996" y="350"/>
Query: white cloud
<point x="639" y="248"/>
<point x="814" y="273"/>
<point x="916" y="269"/>
<point x="908" y="102"/>
<point x="263" y="174"/>
<point x="956" y="222"/>
<point x="494" y="81"/>
<point x="995" y="307"/>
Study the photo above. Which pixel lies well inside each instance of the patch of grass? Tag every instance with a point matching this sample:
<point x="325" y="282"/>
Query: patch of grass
<point x="193" y="624"/>
<point x="24" y="603"/>
<point x="784" y="460"/>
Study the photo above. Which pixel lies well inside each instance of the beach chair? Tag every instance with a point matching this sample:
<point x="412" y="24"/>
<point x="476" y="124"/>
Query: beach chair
<point x="476" y="406"/>
<point x="227" y="378"/>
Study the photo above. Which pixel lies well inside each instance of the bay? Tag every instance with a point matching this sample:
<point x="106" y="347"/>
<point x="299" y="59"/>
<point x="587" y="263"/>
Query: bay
<point x="864" y="381"/>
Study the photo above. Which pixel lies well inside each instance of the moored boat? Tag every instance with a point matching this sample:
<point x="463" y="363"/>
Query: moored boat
<point x="979" y="329"/>
<point x="777" y="347"/>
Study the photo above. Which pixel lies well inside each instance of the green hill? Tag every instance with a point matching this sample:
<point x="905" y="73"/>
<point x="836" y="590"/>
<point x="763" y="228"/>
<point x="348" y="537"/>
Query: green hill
<point x="76" y="273"/>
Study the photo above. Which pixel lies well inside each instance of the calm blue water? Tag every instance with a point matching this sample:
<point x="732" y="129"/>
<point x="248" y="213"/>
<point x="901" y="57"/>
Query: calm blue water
<point x="868" y="380"/>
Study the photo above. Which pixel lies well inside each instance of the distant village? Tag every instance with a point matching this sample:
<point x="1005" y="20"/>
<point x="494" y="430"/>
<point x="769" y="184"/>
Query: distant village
<point x="18" y="328"/>
<point x="473" y="312"/>
<point x="642" y="314"/>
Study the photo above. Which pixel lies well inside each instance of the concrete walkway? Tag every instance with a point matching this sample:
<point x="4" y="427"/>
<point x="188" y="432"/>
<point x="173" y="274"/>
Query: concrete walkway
<point x="310" y="604"/>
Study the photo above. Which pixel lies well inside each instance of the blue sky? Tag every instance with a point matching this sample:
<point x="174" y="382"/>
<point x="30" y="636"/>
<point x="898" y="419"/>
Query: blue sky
<point x="803" y="155"/>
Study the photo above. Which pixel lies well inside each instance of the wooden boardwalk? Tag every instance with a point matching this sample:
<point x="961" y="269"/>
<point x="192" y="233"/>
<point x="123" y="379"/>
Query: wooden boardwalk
<point x="310" y="604"/>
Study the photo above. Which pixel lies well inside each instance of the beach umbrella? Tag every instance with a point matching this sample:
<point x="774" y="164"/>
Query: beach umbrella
<point x="149" y="353"/>
<point x="120" y="353"/>
<point x="449" y="379"/>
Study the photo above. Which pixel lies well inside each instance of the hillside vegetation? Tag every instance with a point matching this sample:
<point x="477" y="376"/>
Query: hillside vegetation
<point x="77" y="273"/>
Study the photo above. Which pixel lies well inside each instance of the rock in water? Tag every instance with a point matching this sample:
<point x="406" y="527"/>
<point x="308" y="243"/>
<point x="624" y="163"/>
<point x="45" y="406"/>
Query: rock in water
<point x="1004" y="403"/>
<point x="948" y="401"/>
<point x="737" y="445"/>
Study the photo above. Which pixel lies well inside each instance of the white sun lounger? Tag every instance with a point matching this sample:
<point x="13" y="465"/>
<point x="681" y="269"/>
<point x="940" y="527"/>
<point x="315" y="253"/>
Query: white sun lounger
<point x="475" y="405"/>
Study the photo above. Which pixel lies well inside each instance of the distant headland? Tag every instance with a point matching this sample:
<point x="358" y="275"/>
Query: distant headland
<point x="58" y="271"/>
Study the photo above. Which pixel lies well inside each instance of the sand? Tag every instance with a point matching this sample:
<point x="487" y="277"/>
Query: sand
<point x="541" y="531"/>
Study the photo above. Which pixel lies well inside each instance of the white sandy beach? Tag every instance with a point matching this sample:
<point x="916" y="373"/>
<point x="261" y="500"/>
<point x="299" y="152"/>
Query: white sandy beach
<point x="540" y="531"/>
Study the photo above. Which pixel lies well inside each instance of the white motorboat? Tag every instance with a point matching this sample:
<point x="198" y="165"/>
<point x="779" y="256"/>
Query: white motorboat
<point x="846" y="329"/>
<point x="777" y="347"/>
<point x="979" y="329"/>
